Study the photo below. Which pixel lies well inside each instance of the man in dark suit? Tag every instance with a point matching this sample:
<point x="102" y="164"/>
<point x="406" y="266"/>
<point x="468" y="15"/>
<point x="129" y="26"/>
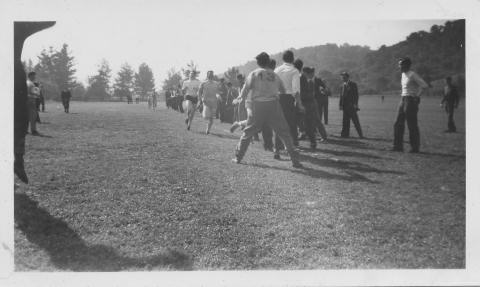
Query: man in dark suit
<point x="321" y="95"/>
<point x="309" y="84"/>
<point x="349" y="106"/>
<point x="66" y="95"/>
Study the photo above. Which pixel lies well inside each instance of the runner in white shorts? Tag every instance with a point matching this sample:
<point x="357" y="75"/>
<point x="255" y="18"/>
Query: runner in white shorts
<point x="207" y="94"/>
<point x="190" y="90"/>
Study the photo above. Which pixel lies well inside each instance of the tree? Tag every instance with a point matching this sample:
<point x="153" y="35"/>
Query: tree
<point x="174" y="78"/>
<point x="78" y="92"/>
<point x="191" y="68"/>
<point x="63" y="69"/>
<point x="231" y="75"/>
<point x="99" y="85"/>
<point x="144" y="81"/>
<point x="123" y="86"/>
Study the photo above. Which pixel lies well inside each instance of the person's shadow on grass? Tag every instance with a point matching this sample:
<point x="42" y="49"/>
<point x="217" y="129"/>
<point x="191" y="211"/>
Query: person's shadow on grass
<point x="69" y="252"/>
<point x="315" y="173"/>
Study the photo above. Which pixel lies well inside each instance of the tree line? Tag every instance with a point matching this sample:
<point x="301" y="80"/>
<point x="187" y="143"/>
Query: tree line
<point x="436" y="54"/>
<point x="56" y="71"/>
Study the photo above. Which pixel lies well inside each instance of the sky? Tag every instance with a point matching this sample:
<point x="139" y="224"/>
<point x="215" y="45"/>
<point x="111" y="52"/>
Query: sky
<point x="214" y="34"/>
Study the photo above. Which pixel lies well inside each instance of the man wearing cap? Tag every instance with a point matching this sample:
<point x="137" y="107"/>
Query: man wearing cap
<point x="290" y="99"/>
<point x="308" y="85"/>
<point x="262" y="87"/>
<point x="349" y="106"/>
<point x="413" y="86"/>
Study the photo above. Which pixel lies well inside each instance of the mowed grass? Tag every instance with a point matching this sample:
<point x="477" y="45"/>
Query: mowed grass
<point x="121" y="187"/>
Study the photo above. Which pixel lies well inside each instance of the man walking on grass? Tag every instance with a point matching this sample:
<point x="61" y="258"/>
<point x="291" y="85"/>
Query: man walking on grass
<point x="264" y="85"/>
<point x="190" y="90"/>
<point x="308" y="85"/>
<point x="349" y="106"/>
<point x="450" y="102"/>
<point x="290" y="99"/>
<point x="207" y="95"/>
<point x="412" y="88"/>
<point x="33" y="94"/>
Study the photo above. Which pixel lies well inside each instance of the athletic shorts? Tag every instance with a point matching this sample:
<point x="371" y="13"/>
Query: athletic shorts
<point x="192" y="99"/>
<point x="209" y="111"/>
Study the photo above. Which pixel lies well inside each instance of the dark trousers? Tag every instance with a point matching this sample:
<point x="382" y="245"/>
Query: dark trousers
<point x="408" y="111"/>
<point x="451" y="123"/>
<point x="350" y="113"/>
<point x="267" y="135"/>
<point x="323" y="108"/>
<point x="270" y="114"/>
<point x="287" y="102"/>
<point x="32" y="114"/>
<point x="66" y="104"/>
<point x="313" y="122"/>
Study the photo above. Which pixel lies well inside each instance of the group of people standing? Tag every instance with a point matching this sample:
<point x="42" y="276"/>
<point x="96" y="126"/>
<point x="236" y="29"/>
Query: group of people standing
<point x="289" y="103"/>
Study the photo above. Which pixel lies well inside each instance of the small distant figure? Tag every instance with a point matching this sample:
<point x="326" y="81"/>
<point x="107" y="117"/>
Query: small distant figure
<point x="321" y="95"/>
<point x="383" y="98"/>
<point x="413" y="86"/>
<point x="168" y="96"/>
<point x="450" y="102"/>
<point x="149" y="101"/>
<point x="137" y="99"/>
<point x="66" y="96"/>
<point x="154" y="100"/>
<point x="39" y="101"/>
<point x="207" y="94"/>
<point x="190" y="89"/>
<point x="33" y="94"/>
<point x="349" y="106"/>
<point x="129" y="99"/>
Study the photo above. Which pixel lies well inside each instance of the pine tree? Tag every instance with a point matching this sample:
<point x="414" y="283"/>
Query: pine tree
<point x="144" y="82"/>
<point x="123" y="86"/>
<point x="99" y="85"/>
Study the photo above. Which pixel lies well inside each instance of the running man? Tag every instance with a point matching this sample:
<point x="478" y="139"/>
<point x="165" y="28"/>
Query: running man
<point x="190" y="90"/>
<point x="264" y="86"/>
<point x="207" y="95"/>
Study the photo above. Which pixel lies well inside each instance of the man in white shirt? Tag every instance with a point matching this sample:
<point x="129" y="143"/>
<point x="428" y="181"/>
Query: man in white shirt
<point x="33" y="95"/>
<point x="190" y="90"/>
<point x="413" y="86"/>
<point x="290" y="77"/>
<point x="207" y="94"/>
<point x="262" y="87"/>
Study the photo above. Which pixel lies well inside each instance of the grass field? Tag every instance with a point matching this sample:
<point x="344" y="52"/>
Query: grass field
<point x="121" y="187"/>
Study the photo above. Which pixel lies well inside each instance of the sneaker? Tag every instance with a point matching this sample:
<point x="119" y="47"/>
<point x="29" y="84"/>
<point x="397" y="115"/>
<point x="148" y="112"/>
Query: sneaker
<point x="236" y="160"/>
<point x="302" y="137"/>
<point x="188" y="127"/>
<point x="276" y="156"/>
<point x="35" y="133"/>
<point x="234" y="126"/>
<point x="397" y="149"/>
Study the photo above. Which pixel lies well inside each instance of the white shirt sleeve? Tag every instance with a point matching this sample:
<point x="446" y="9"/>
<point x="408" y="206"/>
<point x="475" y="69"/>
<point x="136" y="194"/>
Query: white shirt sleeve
<point x="296" y="83"/>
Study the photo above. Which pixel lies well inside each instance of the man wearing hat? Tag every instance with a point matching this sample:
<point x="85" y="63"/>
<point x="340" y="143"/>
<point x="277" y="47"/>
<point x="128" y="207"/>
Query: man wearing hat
<point x="413" y="86"/>
<point x="349" y="106"/>
<point x="308" y="85"/>
<point x="262" y="88"/>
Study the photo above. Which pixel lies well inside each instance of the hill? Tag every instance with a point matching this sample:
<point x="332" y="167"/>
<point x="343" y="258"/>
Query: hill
<point x="436" y="54"/>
